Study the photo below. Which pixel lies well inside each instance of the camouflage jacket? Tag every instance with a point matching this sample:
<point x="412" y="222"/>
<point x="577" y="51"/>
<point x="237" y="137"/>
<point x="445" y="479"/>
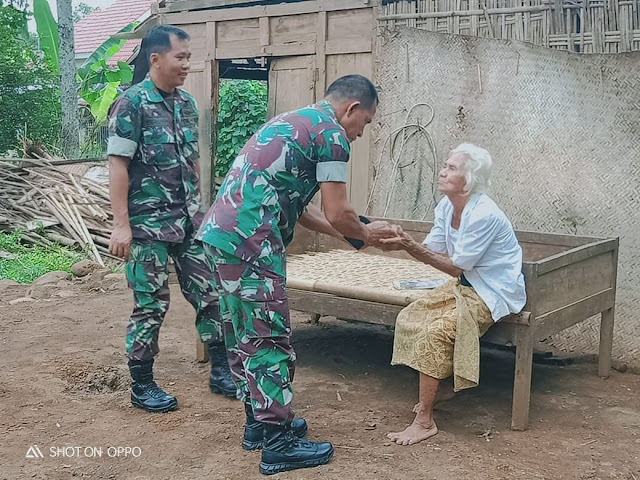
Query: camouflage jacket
<point x="161" y="141"/>
<point x="272" y="180"/>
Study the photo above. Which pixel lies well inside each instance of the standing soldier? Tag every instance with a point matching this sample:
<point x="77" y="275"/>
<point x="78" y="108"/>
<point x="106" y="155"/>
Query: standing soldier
<point x="265" y="193"/>
<point x="153" y="184"/>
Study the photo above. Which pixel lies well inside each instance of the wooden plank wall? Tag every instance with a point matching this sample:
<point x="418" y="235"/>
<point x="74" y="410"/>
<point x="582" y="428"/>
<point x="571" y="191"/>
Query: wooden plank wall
<point x="338" y="36"/>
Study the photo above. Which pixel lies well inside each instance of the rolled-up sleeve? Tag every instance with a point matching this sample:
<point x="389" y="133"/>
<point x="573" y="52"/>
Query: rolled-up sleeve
<point x="125" y="127"/>
<point x="436" y="239"/>
<point x="332" y="151"/>
<point x="474" y="241"/>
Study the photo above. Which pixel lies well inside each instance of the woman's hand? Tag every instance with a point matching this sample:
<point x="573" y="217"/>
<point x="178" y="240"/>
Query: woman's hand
<point x="402" y="241"/>
<point x="379" y="230"/>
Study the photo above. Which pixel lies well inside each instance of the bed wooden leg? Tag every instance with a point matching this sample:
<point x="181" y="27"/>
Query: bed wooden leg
<point x="606" y="343"/>
<point x="315" y="318"/>
<point x="522" y="378"/>
<point x="202" y="354"/>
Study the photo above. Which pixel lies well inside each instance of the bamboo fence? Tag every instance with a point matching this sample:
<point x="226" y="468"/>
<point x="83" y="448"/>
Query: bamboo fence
<point x="582" y="26"/>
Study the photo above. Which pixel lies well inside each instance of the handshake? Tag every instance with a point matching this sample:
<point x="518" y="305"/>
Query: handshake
<point x="382" y="235"/>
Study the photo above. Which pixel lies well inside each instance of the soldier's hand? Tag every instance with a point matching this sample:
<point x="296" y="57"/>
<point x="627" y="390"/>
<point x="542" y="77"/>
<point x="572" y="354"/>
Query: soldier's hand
<point x="378" y="230"/>
<point x="120" y="241"/>
<point x="402" y="241"/>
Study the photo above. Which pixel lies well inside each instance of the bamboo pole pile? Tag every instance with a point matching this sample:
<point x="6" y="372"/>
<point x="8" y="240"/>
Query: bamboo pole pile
<point x="50" y="205"/>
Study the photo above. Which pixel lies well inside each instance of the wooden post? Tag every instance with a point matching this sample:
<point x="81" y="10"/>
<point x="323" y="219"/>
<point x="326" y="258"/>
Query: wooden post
<point x="606" y="343"/>
<point x="264" y="31"/>
<point x="321" y="59"/>
<point x="208" y="164"/>
<point x="524" y="354"/>
<point x="522" y="377"/>
<point x="606" y="326"/>
<point x="202" y="354"/>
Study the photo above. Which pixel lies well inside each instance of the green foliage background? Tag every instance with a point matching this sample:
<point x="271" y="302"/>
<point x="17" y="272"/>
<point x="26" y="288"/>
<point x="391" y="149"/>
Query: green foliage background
<point x="242" y="110"/>
<point x="29" y="91"/>
<point x="33" y="261"/>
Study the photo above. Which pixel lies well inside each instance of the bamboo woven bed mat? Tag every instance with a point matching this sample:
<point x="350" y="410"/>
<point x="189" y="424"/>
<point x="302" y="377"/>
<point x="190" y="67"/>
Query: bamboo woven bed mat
<point x="357" y="275"/>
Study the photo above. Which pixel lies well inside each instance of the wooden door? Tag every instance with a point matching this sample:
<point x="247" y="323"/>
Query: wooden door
<point x="291" y="84"/>
<point x="201" y="83"/>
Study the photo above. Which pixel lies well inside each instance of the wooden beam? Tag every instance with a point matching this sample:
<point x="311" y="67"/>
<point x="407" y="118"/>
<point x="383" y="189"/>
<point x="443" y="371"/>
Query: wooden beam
<point x="555" y="238"/>
<point x="344" y="308"/>
<point x="464" y="13"/>
<point x="348" y="45"/>
<point x="292" y="49"/>
<point x="522" y="318"/>
<point x="575" y="255"/>
<point x="239" y="13"/>
<point x="564" y="317"/>
<point x="140" y="30"/>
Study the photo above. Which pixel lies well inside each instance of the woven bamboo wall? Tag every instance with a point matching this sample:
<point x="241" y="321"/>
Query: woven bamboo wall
<point x="585" y="26"/>
<point x="563" y="130"/>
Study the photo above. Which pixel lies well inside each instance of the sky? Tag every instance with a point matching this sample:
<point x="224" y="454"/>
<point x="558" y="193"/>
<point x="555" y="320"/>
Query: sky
<point x="54" y="8"/>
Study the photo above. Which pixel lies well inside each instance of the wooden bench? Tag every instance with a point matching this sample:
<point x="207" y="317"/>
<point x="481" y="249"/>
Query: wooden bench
<point x="568" y="280"/>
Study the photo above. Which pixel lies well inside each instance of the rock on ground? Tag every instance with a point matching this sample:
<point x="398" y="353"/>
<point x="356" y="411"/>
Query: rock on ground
<point x="51" y="277"/>
<point x="84" y="267"/>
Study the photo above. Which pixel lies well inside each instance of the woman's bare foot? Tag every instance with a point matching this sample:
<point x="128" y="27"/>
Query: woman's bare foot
<point x="414" y="433"/>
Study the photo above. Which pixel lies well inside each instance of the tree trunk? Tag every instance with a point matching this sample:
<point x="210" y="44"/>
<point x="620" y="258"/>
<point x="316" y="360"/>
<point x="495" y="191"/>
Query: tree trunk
<point x="68" y="88"/>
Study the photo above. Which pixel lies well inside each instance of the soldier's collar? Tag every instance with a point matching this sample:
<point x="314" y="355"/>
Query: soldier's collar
<point x="326" y="105"/>
<point x="154" y="94"/>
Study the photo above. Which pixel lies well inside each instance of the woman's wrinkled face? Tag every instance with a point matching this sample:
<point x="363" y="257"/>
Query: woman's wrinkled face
<point x="451" y="180"/>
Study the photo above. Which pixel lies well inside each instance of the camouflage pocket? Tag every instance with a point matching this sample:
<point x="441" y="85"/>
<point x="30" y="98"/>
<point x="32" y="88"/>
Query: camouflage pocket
<point x="159" y="146"/>
<point x="265" y="307"/>
<point x="147" y="268"/>
<point x="191" y="148"/>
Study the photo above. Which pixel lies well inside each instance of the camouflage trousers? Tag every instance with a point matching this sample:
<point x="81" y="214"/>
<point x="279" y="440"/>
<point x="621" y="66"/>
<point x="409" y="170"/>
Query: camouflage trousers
<point x="255" y="317"/>
<point x="148" y="274"/>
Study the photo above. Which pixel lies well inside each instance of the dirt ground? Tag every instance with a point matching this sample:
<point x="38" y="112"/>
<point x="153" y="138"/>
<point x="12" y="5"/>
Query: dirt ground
<point x="64" y="383"/>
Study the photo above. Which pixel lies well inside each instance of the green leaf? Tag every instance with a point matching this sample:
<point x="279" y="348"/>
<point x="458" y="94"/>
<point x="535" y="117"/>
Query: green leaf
<point x="105" y="51"/>
<point x="113" y="76"/>
<point x="126" y="72"/>
<point x="100" y="108"/>
<point x="47" y="33"/>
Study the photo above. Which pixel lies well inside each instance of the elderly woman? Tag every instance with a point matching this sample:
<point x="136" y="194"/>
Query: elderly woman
<point x="473" y="241"/>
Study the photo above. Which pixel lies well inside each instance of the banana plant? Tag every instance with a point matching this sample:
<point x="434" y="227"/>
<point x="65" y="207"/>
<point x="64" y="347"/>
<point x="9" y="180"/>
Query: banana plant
<point x="47" y="29"/>
<point x="99" y="83"/>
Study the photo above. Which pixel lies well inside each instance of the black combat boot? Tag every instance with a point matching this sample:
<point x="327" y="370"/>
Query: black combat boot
<point x="254" y="430"/>
<point x="283" y="451"/>
<point x="145" y="393"/>
<point x="220" y="380"/>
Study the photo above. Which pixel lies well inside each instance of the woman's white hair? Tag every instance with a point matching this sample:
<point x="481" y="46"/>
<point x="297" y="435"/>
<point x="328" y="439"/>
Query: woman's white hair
<point x="477" y="168"/>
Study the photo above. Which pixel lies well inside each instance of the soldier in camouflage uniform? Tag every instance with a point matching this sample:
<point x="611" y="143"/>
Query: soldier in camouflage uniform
<point x="153" y="153"/>
<point x="246" y="231"/>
